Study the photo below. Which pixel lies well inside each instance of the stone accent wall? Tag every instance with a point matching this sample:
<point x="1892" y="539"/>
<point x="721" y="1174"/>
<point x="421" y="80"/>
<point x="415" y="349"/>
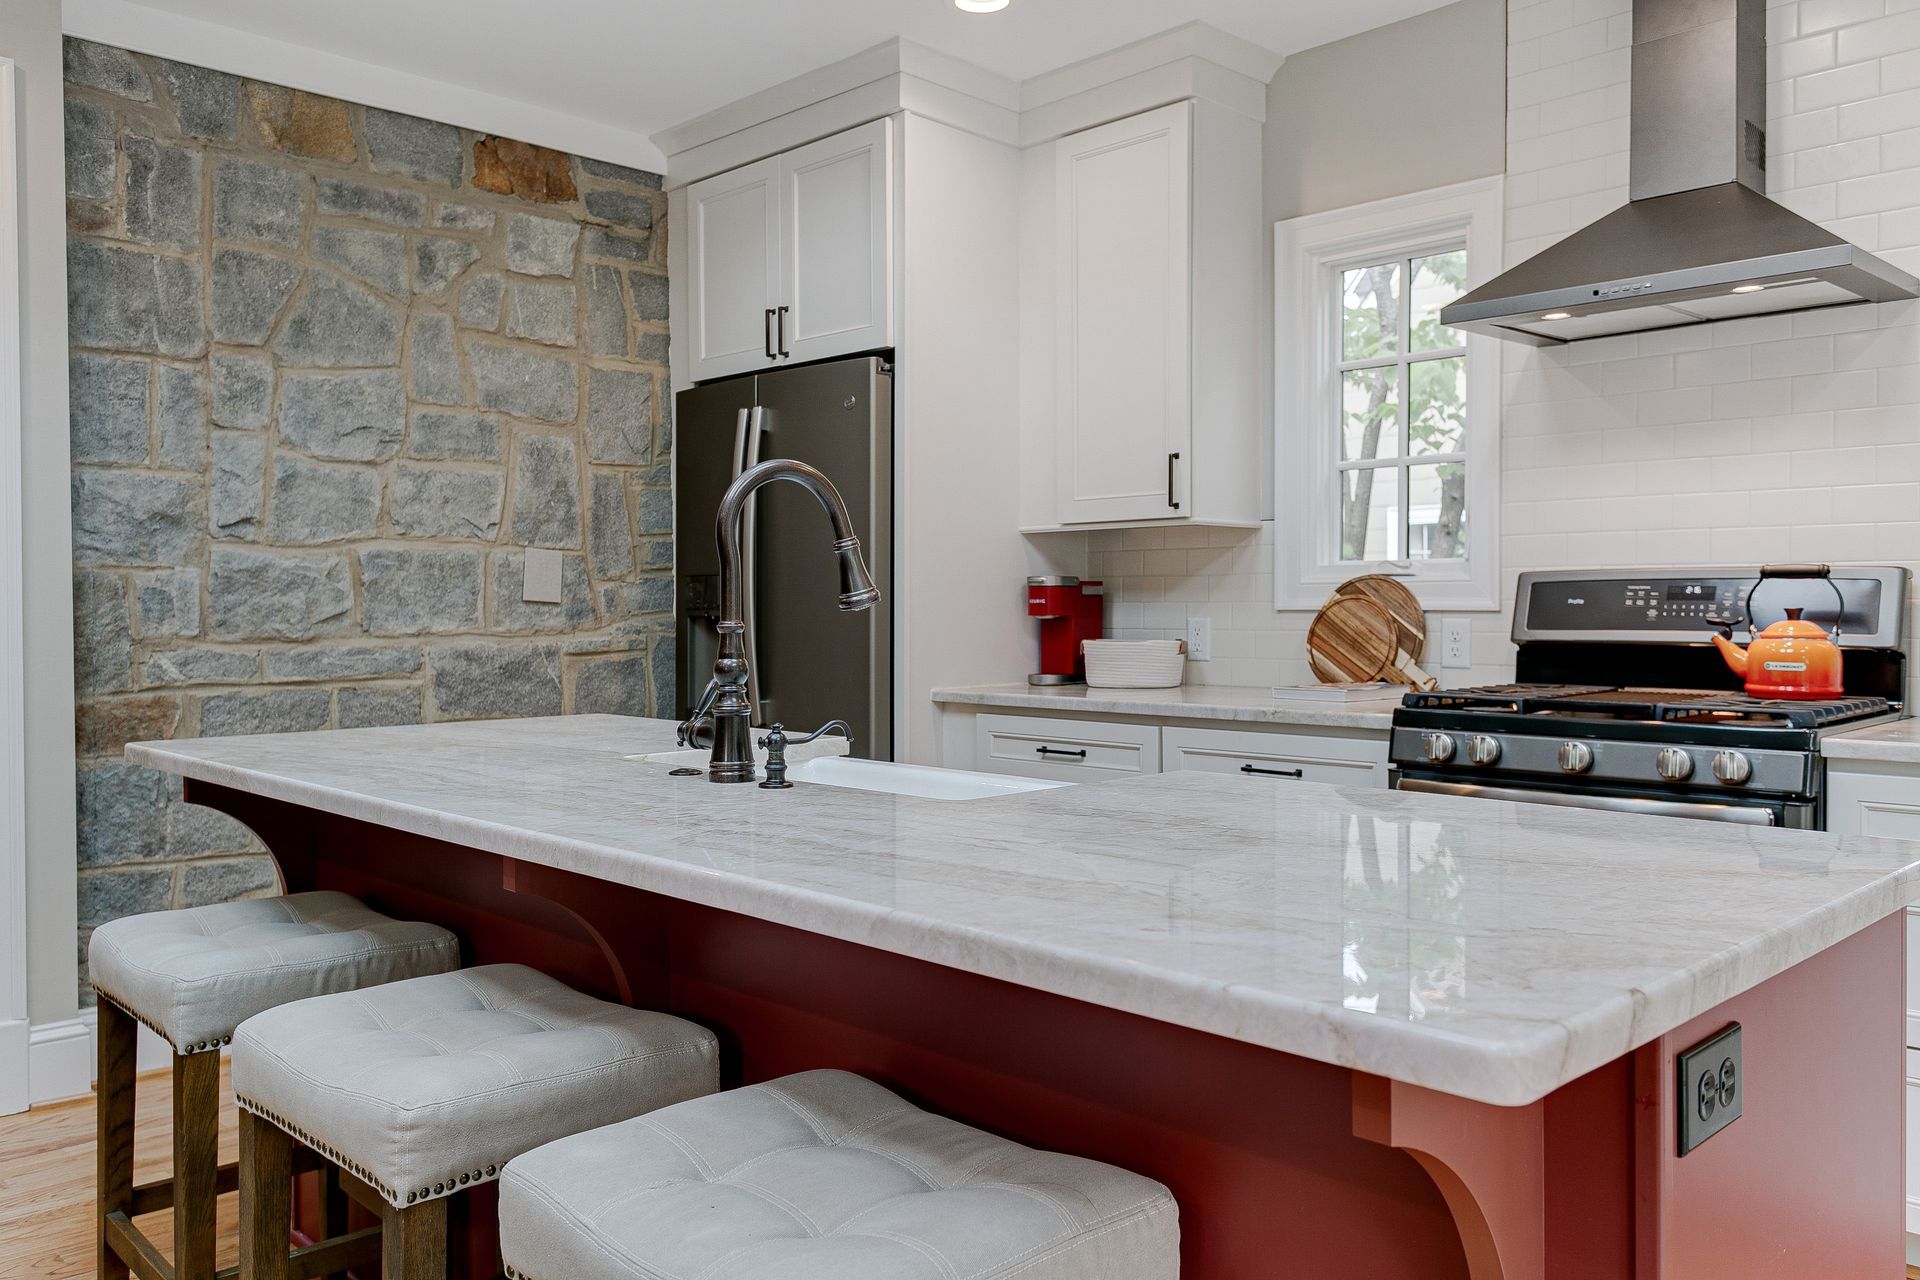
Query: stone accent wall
<point x="333" y="370"/>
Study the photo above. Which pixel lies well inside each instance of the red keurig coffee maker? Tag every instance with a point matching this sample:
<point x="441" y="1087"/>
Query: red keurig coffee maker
<point x="1069" y="611"/>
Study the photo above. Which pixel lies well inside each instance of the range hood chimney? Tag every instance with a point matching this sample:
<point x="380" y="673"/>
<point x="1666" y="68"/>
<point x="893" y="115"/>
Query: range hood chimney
<point x="1699" y="240"/>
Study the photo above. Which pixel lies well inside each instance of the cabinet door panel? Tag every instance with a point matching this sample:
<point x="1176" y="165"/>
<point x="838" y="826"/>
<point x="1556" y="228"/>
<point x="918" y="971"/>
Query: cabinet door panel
<point x="1275" y="757"/>
<point x="733" y="255"/>
<point x="1123" y="206"/>
<point x="1064" y="750"/>
<point x="837" y="198"/>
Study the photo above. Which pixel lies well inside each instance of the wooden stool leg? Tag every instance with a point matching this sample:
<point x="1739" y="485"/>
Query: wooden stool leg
<point x="266" y="1198"/>
<point x="413" y="1242"/>
<point x="113" y="1103"/>
<point x="196" y="1162"/>
<point x="333" y="1210"/>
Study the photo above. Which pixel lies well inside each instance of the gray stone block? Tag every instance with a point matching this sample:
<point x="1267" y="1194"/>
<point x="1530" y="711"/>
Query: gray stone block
<point x="660" y="652"/>
<point x="513" y="612"/>
<point x="126" y="517"/>
<point x="257" y="595"/>
<point x="620" y="173"/>
<point x="546" y="493"/>
<point x="542" y="312"/>
<point x="524" y="383"/>
<point x="540" y="246"/>
<point x="345" y="417"/>
<point x="377" y="708"/>
<point x="472" y="437"/>
<point x="437" y="260"/>
<point x="408" y="592"/>
<point x="320" y="501"/>
<point x="462" y="217"/>
<point x="478" y="681"/>
<point x="653" y="511"/>
<point x="108" y="895"/>
<point x="194" y="831"/>
<point x="622" y="207"/>
<point x="378" y="258"/>
<point x="381" y="204"/>
<point x="200" y="666"/>
<point x="228" y="880"/>
<point x="612" y="686"/>
<point x="649" y="295"/>
<point x="414" y="148"/>
<point x="652" y="348"/>
<point x="92" y="159"/>
<point x="236" y="496"/>
<point x="132" y="300"/>
<point x="242" y="391"/>
<point x="435" y="366"/>
<point x="180" y="413"/>
<point x="205" y="101"/>
<point x="609" y="533"/>
<point x="650" y="595"/>
<point x="447" y="502"/>
<point x="101" y="66"/>
<point x="163" y="194"/>
<point x="606" y="312"/>
<point x="599" y="242"/>
<point x="107" y="404"/>
<point x="619" y="417"/>
<point x="337" y="324"/>
<point x="225" y="715"/>
<point x="166" y="604"/>
<point x="102" y="638"/>
<point x="249" y="292"/>
<point x="257" y="201"/>
<point x="122" y="813"/>
<point x="656" y="553"/>
<point x="351" y="662"/>
<point x="480" y="302"/>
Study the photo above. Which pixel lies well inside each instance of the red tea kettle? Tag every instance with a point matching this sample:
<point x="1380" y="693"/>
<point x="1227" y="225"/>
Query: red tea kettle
<point x="1793" y="658"/>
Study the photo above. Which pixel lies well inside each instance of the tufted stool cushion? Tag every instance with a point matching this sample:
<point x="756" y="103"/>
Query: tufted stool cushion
<point x="195" y="975"/>
<point x="824" y="1176"/>
<point x="427" y="1086"/>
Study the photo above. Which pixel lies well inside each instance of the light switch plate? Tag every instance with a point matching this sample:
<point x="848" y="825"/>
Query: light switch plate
<point x="541" y="582"/>
<point x="1710" y="1087"/>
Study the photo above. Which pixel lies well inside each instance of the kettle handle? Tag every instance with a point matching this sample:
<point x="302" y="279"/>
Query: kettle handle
<point x="1797" y="571"/>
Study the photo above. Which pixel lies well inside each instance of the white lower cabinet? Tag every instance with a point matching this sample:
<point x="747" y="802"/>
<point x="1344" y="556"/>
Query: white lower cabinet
<point x="1276" y="757"/>
<point x="1064" y="750"/>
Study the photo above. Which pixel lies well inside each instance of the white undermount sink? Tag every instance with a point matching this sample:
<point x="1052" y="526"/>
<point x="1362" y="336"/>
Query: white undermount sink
<point x="912" y="779"/>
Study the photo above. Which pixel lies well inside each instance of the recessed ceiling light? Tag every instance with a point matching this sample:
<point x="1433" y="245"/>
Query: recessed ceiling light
<point x="1748" y="288"/>
<point x="1558" y="315"/>
<point x="980" y="6"/>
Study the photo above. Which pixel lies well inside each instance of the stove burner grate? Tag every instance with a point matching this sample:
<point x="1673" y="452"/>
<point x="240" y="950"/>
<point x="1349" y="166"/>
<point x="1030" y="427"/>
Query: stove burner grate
<point x="1795" y="714"/>
<point x="1683" y="706"/>
<point x="1501" y="697"/>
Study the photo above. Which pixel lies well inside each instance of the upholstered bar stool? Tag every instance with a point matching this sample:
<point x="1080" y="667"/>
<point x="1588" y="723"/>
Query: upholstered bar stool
<point x="193" y="976"/>
<point x="421" y="1089"/>
<point x="824" y="1176"/>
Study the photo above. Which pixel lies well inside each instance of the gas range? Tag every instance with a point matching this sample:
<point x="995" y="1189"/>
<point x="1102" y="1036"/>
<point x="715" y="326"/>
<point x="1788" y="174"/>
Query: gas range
<point x="1621" y="702"/>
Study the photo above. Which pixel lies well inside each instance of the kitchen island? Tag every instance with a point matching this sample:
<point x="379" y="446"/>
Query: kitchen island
<point x="1360" y="1034"/>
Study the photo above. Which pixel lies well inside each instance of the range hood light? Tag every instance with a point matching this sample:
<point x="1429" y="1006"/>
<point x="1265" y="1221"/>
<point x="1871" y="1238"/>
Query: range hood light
<point x="1748" y="288"/>
<point x="1558" y="315"/>
<point x="980" y="6"/>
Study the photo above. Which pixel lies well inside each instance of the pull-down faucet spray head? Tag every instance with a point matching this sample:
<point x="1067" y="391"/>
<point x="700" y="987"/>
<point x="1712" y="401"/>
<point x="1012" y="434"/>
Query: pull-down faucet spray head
<point x="857" y="591"/>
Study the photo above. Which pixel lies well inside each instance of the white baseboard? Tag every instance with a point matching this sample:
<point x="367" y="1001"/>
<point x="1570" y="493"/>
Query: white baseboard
<point x="61" y="1060"/>
<point x="15" y="1093"/>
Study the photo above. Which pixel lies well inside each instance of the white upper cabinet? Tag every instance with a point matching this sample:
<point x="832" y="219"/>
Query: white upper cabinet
<point x="791" y="258"/>
<point x="1125" y="411"/>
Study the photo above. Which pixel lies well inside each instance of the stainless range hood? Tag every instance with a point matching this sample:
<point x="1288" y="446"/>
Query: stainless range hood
<point x="1700" y="240"/>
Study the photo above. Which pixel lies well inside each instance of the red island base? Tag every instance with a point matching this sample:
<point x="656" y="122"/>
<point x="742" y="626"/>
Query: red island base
<point x="1283" y="1167"/>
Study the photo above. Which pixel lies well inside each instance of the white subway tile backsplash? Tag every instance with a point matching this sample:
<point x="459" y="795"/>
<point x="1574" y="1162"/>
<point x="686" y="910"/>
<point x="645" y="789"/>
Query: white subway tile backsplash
<point x="1823" y="15"/>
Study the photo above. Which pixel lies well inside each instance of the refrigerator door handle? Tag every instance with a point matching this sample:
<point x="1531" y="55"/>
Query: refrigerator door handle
<point x="754" y="426"/>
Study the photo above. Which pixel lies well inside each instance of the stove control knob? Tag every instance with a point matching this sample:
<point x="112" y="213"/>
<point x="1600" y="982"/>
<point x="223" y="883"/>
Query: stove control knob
<point x="1439" y="748"/>
<point x="1575" y="757"/>
<point x="1674" y="764"/>
<point x="1483" y="750"/>
<point x="1732" y="767"/>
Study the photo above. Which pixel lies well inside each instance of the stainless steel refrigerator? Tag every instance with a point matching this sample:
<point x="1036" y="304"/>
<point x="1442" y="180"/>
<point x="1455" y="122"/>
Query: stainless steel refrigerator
<point x="810" y="663"/>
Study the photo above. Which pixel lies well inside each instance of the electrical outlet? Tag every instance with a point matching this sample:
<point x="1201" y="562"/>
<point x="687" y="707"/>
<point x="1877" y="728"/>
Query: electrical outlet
<point x="1709" y="1087"/>
<point x="1456" y="642"/>
<point x="540" y="581"/>
<point x="1199" y="639"/>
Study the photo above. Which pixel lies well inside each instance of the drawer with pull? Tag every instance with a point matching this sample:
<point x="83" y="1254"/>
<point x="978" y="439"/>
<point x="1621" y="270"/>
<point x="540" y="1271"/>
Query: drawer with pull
<point x="1064" y="750"/>
<point x="1276" y="757"/>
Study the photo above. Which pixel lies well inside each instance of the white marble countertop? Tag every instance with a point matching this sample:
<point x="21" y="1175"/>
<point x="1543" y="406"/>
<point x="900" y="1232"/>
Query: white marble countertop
<point x="1898" y="743"/>
<point x="1488" y="950"/>
<point x="1188" y="702"/>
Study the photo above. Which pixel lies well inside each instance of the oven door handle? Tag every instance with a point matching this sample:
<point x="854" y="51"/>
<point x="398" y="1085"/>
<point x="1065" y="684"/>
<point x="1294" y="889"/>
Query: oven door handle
<point x="1748" y="815"/>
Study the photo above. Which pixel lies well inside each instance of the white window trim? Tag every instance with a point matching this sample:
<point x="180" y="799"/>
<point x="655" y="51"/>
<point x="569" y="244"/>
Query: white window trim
<point x="14" y="1036"/>
<point x="1307" y="254"/>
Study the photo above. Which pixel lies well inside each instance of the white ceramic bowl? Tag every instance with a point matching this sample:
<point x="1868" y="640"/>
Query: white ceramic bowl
<point x="1135" y="664"/>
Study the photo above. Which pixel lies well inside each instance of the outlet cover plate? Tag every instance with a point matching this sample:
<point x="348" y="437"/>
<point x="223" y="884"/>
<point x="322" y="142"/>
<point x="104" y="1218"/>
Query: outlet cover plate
<point x="1456" y="642"/>
<point x="1199" y="639"/>
<point x="540" y="584"/>
<point x="1709" y="1087"/>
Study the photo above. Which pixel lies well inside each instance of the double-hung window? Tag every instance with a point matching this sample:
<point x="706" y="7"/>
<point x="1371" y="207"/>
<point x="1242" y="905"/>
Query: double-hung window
<point x="1386" y="449"/>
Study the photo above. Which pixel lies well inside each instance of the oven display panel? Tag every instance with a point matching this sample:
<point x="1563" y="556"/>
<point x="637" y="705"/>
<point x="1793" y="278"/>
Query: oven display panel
<point x="1684" y="604"/>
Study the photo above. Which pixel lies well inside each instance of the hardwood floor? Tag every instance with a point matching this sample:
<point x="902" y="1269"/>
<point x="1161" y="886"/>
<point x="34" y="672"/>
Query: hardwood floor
<point x="46" y="1181"/>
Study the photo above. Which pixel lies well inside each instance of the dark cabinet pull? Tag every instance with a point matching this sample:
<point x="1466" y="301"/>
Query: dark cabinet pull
<point x="768" y="327"/>
<point x="1056" y="751"/>
<point x="781" y="320"/>
<point x="1275" y="773"/>
<point x="1171" y="459"/>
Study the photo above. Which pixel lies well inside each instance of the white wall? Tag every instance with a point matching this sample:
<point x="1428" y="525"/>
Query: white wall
<point x="30" y="35"/>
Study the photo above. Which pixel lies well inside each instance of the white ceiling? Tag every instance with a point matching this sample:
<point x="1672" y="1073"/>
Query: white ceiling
<point x="628" y="68"/>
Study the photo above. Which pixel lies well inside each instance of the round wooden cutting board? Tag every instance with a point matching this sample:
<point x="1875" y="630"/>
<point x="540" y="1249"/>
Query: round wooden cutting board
<point x="1352" y="638"/>
<point x="1391" y="594"/>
